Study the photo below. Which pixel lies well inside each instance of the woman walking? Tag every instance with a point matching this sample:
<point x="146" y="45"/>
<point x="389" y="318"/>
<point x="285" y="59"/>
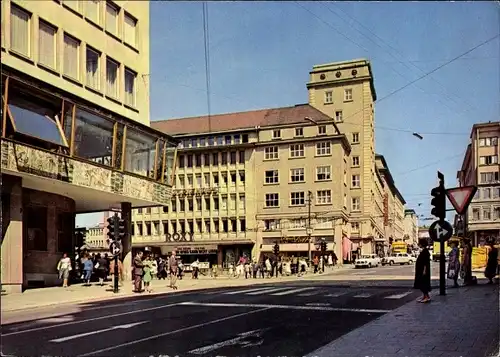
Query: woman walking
<point x="454" y="264"/>
<point x="491" y="265"/>
<point x="64" y="267"/>
<point x="423" y="271"/>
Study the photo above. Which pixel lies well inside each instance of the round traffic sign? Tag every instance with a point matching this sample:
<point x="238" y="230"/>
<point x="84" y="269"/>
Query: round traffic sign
<point x="440" y="231"/>
<point x="115" y="248"/>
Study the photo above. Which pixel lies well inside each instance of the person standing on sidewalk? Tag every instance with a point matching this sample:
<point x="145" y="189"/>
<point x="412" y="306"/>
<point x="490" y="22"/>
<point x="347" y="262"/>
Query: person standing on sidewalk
<point x="138" y="272"/>
<point x="64" y="267"/>
<point x="423" y="271"/>
<point x="173" y="270"/>
<point x="454" y="264"/>
<point x="148" y="274"/>
<point x="491" y="264"/>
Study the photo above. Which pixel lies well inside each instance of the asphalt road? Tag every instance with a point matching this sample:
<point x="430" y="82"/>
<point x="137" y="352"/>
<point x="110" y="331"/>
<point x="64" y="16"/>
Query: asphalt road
<point x="276" y="319"/>
<point x="400" y="270"/>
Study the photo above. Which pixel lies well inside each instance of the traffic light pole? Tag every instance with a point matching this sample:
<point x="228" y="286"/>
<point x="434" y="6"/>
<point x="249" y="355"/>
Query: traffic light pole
<point x="116" y="270"/>
<point x="442" y="259"/>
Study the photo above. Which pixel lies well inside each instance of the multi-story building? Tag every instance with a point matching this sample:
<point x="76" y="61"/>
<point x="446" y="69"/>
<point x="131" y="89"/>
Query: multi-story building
<point x="75" y="127"/>
<point x="247" y="180"/>
<point x="411" y="227"/>
<point x="481" y="168"/>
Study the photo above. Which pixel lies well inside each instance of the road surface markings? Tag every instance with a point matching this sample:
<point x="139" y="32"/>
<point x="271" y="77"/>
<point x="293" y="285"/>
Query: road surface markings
<point x="266" y="291"/>
<point x="336" y="294"/>
<point x="172" y="332"/>
<point x="398" y="296"/>
<point x="87" y="320"/>
<point x="245" y="291"/>
<point x="289" y="307"/>
<point x="318" y="304"/>
<point x="125" y="326"/>
<point x="365" y="272"/>
<point x="364" y="295"/>
<point x="288" y="292"/>
<point x="312" y="293"/>
<point x="233" y="341"/>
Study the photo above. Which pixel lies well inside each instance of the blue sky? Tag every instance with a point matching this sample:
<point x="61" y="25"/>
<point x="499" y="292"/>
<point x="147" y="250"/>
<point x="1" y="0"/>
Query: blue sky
<point x="261" y="54"/>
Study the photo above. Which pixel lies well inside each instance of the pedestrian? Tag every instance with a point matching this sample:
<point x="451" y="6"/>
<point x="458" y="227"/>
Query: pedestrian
<point x="101" y="267"/>
<point x="138" y="272"/>
<point x="173" y="270"/>
<point x="315" y="263"/>
<point x="195" y="266"/>
<point x="491" y="264"/>
<point x="148" y="274"/>
<point x="88" y="267"/>
<point x="423" y="271"/>
<point x="63" y="268"/>
<point x="454" y="264"/>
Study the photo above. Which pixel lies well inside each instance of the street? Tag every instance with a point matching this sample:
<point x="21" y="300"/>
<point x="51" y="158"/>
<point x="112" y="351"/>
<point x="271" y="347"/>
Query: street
<point x="289" y="319"/>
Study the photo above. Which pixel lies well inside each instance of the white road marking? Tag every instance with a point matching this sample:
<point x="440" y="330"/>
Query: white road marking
<point x="312" y="293"/>
<point x="364" y="295"/>
<point x="318" y="304"/>
<point x="365" y="272"/>
<point x="62" y="339"/>
<point x="289" y="307"/>
<point x="230" y="342"/>
<point x="288" y="292"/>
<point x="398" y="296"/>
<point x="336" y="294"/>
<point x="87" y="320"/>
<point x="270" y="290"/>
<point x="245" y="291"/>
<point x="172" y="332"/>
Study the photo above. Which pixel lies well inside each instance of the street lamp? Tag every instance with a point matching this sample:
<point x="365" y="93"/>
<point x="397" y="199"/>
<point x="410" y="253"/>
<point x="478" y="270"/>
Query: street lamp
<point x="309" y="234"/>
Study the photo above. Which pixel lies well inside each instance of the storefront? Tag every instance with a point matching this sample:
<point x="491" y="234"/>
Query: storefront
<point x="297" y="246"/>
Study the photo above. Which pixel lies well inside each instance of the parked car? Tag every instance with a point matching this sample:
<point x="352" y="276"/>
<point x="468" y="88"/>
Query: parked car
<point x="368" y="261"/>
<point x="399" y="258"/>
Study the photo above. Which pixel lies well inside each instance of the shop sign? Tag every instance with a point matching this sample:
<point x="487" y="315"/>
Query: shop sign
<point x="200" y="250"/>
<point x="179" y="237"/>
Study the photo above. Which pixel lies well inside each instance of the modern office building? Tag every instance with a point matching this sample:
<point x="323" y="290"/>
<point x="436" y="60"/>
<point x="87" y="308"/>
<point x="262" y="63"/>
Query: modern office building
<point x="294" y="176"/>
<point x="481" y="168"/>
<point x="75" y="127"/>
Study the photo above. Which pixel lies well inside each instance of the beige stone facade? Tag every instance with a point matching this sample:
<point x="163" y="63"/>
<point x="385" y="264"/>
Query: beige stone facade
<point x="481" y="168"/>
<point x="411" y="227"/>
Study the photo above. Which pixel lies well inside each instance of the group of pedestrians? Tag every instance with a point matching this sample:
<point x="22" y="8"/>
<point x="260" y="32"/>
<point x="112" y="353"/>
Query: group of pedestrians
<point x="144" y="271"/>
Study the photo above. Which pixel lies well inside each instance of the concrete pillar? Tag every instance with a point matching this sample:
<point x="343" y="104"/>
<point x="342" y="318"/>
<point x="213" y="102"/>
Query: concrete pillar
<point x="127" y="241"/>
<point x="12" y="270"/>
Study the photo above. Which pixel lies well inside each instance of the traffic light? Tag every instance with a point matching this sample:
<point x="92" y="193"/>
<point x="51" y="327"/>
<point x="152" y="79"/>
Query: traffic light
<point x="438" y="202"/>
<point x="121" y="229"/>
<point x="111" y="227"/>
<point x="276" y="249"/>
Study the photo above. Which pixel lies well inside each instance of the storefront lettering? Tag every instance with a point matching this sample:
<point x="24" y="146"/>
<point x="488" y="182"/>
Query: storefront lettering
<point x="180" y="237"/>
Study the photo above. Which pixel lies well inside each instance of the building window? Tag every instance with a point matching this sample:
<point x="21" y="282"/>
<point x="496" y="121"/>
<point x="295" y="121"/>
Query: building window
<point x="20" y="34"/>
<point x="355" y="138"/>
<point x="297" y="175"/>
<point x="297" y="198"/>
<point x="347" y="95"/>
<point x="215" y="158"/>
<point x="72" y="4"/>
<point x="297" y="150"/>
<point x="237" y="139"/>
<point x="489" y="177"/>
<point x="271" y="176"/>
<point x="355" y="204"/>
<point x="93" y="73"/>
<point x="35" y="218"/>
<point x="486" y="214"/>
<point x="323" y="173"/>
<point x="276" y="134"/>
<point x="228" y="139"/>
<point x="130" y="79"/>
<point x="338" y="116"/>
<point x="271" y="153"/>
<point x="324" y="197"/>
<point x="355" y="161"/>
<point x="272" y="200"/>
<point x="496" y="212"/>
<point x="475" y="214"/>
<point x="328" y="97"/>
<point x="92" y="10"/>
<point x="272" y="224"/>
<point x="223" y="156"/>
<point x="355" y="226"/>
<point x="323" y="148"/>
<point x="488" y="160"/>
<point x="112" y="18"/>
<point x="488" y="141"/>
<point x="241" y="157"/>
<point x="299" y="131"/>
<point x="356" y="181"/>
<point x="486" y="193"/>
<point x="112" y="78"/>
<point x="71" y="57"/>
<point x="322" y="130"/>
<point x="47" y="44"/>
<point x="232" y="157"/>
<point x="130" y="30"/>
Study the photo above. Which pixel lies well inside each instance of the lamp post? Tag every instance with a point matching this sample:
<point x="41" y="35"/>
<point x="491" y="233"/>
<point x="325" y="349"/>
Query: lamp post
<point x="309" y="234"/>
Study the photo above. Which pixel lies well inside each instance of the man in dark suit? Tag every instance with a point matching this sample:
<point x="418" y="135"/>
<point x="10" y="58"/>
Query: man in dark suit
<point x="138" y="272"/>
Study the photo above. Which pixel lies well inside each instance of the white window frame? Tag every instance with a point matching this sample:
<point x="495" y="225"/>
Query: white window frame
<point x="20" y="13"/>
<point x="297" y="198"/>
<point x="271" y="153"/>
<point x="109" y="28"/>
<point x="355" y="201"/>
<point x="324" y="170"/>
<point x="322" y="130"/>
<point x="487" y="213"/>
<point x="276" y="134"/>
<point x="299" y="132"/>
<point x="323" y="148"/>
<point x="46" y="61"/>
<point x="297" y="175"/>
<point x="297" y="150"/>
<point x="274" y="179"/>
<point x="347" y="94"/>
<point x="355" y="138"/>
<point x="356" y="181"/>
<point x="272" y="200"/>
<point x="130" y="99"/>
<point x="355" y="227"/>
<point x="323" y="197"/>
<point x="91" y="81"/>
<point x="328" y="97"/>
<point x="116" y="93"/>
<point x="67" y="39"/>
<point x="128" y="28"/>
<point x="339" y="118"/>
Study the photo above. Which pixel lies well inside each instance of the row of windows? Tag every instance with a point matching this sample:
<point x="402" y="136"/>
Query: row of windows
<point x="218" y="180"/>
<point x="323" y="148"/>
<point x="107" y="15"/>
<point x="488" y="160"/>
<point x="298" y="198"/>
<point x="489" y="177"/>
<point x="109" y="81"/>
<point x="297" y="175"/>
<point x="493" y="141"/>
<point x="347" y="96"/>
<point x="299" y="132"/>
<point x="199" y="160"/>
<point x="487" y="193"/>
<point x="207" y="203"/>
<point x="215" y="225"/>
<point x="488" y="213"/>
<point x="214" y="141"/>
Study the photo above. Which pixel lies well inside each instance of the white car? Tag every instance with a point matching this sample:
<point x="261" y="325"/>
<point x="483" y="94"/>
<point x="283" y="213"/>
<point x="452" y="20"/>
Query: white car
<point x="399" y="258"/>
<point x="370" y="260"/>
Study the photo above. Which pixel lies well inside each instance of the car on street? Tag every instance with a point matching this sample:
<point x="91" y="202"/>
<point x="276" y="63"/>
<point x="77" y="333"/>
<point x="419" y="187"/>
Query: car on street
<point x="399" y="258"/>
<point x="367" y="261"/>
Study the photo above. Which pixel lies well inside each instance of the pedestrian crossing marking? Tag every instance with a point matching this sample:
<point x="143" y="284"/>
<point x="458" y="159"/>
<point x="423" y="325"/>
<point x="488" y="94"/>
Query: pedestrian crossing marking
<point x="309" y="294"/>
<point x="293" y="291"/>
<point x="266" y="291"/>
<point x="336" y="294"/>
<point x="364" y="295"/>
<point x="245" y="291"/>
<point x="398" y="296"/>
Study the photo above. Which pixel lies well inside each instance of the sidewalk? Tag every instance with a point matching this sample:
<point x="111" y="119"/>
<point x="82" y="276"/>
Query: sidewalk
<point x="35" y="298"/>
<point x="463" y="323"/>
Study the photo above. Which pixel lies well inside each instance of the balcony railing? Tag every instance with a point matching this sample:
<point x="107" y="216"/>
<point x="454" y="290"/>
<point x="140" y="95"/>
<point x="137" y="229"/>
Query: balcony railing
<point x="48" y="121"/>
